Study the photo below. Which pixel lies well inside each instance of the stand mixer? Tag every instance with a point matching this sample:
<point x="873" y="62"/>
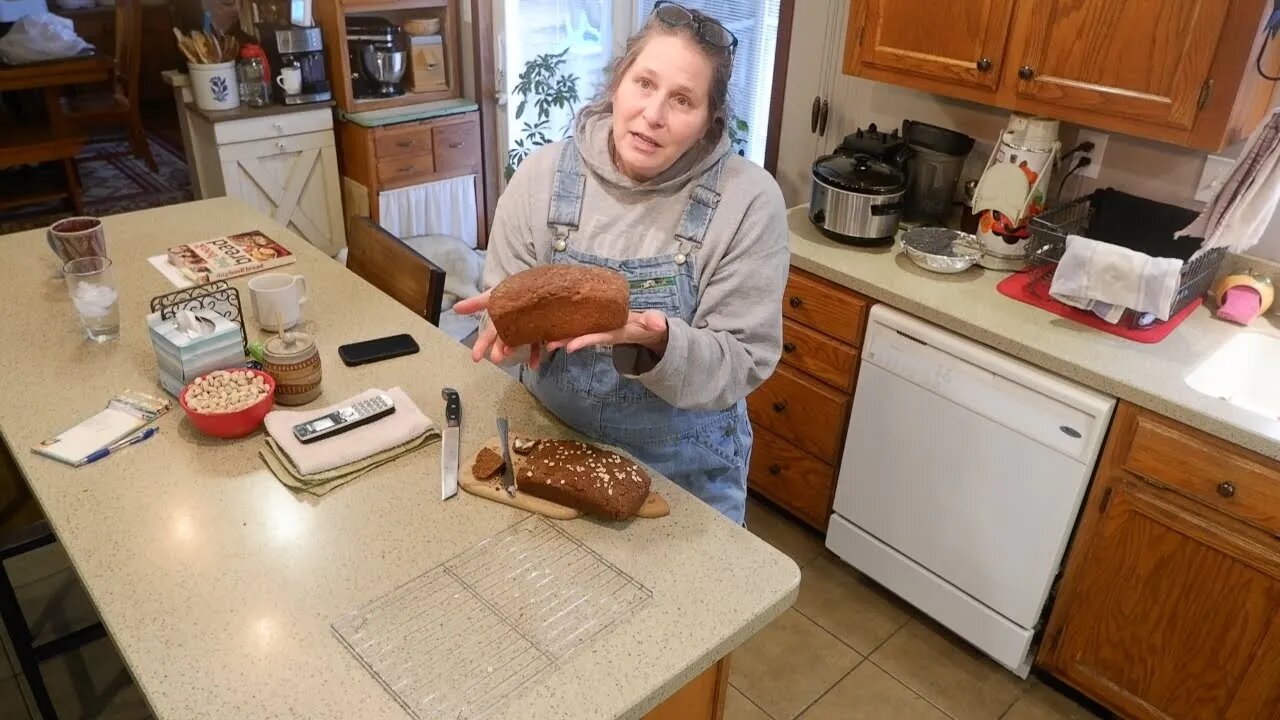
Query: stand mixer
<point x="377" y="56"/>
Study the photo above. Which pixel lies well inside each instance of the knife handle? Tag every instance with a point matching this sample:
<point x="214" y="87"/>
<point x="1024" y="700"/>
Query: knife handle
<point x="452" y="406"/>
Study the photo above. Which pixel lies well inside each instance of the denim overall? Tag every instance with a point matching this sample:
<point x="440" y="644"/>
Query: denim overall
<point x="704" y="451"/>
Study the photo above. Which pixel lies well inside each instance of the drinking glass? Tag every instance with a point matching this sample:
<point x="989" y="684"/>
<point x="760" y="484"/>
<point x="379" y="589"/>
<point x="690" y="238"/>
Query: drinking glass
<point x="92" y="284"/>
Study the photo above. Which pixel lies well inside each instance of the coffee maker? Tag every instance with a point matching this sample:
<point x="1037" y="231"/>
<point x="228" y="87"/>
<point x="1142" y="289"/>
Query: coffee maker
<point x="378" y="57"/>
<point x="300" y="47"/>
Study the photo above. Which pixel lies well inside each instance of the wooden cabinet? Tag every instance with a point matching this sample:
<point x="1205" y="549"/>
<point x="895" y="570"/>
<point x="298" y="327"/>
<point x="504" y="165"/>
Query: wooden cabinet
<point x="1170" y="603"/>
<point x="800" y="414"/>
<point x="1180" y="71"/>
<point x="901" y="36"/>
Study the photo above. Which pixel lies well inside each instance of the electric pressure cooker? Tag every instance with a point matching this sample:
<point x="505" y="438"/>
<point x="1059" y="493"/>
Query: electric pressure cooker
<point x="857" y="199"/>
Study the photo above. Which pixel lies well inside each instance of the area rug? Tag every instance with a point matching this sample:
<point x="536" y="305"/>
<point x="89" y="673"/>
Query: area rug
<point x="114" y="181"/>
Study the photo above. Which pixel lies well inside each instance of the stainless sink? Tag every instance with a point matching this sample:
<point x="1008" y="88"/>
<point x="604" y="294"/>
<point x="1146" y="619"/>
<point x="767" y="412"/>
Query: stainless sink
<point x="1244" y="372"/>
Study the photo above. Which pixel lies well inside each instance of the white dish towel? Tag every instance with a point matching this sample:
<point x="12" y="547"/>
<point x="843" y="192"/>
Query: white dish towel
<point x="1093" y="272"/>
<point x="394" y="430"/>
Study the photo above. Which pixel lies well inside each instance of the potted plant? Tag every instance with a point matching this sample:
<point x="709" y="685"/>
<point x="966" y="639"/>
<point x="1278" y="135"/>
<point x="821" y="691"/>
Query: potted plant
<point x="544" y="84"/>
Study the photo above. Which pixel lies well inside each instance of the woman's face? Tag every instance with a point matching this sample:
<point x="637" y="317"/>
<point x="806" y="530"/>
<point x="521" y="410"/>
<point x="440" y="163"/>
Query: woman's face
<point x="660" y="108"/>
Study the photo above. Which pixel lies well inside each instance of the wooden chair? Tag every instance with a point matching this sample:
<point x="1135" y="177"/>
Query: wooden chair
<point x="28" y="144"/>
<point x="121" y="106"/>
<point x="393" y="267"/>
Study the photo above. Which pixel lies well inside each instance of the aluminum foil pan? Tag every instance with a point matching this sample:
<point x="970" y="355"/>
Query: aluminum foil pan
<point x="942" y="250"/>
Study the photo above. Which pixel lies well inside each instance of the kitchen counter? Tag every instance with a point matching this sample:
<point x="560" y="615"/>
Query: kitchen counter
<point x="408" y="113"/>
<point x="1149" y="375"/>
<point x="218" y="584"/>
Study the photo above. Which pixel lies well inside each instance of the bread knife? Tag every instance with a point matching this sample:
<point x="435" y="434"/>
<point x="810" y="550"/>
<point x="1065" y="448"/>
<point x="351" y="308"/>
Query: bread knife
<point x="508" y="475"/>
<point x="449" y="441"/>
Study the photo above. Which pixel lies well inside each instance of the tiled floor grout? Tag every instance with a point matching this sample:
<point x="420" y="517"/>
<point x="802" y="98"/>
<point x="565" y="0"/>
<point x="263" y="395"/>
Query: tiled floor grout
<point x="753" y="702"/>
<point x="833" y="686"/>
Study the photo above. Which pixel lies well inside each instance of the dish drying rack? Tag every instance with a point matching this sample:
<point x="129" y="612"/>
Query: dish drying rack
<point x="1048" y="242"/>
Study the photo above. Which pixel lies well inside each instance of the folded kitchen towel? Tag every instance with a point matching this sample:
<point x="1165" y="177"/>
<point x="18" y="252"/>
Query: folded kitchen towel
<point x="1092" y="272"/>
<point x="396" y="429"/>
<point x="322" y="483"/>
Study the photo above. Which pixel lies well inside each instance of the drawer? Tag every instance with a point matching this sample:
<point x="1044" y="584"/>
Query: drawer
<point x="792" y="478"/>
<point x="825" y="307"/>
<point x="402" y="140"/>
<point x="457" y="147"/>
<point x="398" y="172"/>
<point x="271" y="126"/>
<point x="828" y="360"/>
<point x="1206" y="469"/>
<point x="802" y="411"/>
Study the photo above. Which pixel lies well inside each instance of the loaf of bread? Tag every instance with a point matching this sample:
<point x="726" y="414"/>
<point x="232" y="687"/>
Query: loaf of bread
<point x="584" y="477"/>
<point x="558" y="302"/>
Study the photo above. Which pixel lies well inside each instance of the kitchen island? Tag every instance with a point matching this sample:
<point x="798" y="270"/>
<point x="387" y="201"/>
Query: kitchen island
<point x="219" y="585"/>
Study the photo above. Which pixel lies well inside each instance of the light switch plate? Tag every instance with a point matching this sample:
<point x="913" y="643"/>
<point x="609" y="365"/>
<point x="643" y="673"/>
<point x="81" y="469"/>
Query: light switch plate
<point x="1099" y="140"/>
<point x="1216" y="170"/>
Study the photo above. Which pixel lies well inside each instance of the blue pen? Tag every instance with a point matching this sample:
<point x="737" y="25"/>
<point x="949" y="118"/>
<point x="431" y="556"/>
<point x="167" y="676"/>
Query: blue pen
<point x="119" y="445"/>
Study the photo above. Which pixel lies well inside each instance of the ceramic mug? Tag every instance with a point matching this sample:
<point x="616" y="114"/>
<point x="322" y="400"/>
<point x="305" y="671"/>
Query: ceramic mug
<point x="77" y="237"/>
<point x="290" y="80"/>
<point x="277" y="300"/>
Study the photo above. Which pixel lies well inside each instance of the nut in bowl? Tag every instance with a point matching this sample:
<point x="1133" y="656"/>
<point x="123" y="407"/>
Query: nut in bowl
<point x="941" y="250"/>
<point x="228" y="403"/>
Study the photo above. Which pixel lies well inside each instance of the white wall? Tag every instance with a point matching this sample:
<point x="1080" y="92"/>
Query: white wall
<point x="1151" y="169"/>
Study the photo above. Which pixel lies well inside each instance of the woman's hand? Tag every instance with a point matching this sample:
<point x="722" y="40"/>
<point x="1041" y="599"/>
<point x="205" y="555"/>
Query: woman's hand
<point x="488" y="342"/>
<point x="648" y="329"/>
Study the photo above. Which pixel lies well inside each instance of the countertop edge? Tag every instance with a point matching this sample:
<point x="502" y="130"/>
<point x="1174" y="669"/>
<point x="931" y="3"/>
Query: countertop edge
<point x="1147" y="400"/>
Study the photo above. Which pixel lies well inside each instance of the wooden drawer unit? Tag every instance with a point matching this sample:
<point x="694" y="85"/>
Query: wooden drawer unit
<point x="792" y="477"/>
<point x="399" y="140"/>
<point x="457" y="147"/>
<point x="826" y="359"/>
<point x="825" y="307"/>
<point x="802" y="411"/>
<point x="1205" y="469"/>
<point x="395" y="172"/>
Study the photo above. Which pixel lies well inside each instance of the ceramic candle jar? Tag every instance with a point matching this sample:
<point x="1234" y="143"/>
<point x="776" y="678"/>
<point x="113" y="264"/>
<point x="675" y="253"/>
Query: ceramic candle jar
<point x="292" y="359"/>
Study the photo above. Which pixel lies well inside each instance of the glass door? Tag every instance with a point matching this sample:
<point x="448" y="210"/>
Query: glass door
<point x="551" y="59"/>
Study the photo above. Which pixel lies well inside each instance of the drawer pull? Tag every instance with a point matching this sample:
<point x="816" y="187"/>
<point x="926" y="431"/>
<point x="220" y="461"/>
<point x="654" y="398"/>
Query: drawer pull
<point x="455" y="145"/>
<point x="780" y="406"/>
<point x="788" y="347"/>
<point x="796" y="302"/>
<point x="281" y="145"/>
<point x="408" y="169"/>
<point x="278" y="126"/>
<point x="405" y="143"/>
<point x="1226" y="489"/>
<point x="775" y="469"/>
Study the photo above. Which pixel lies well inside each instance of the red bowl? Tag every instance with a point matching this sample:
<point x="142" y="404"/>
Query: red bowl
<point x="234" y="424"/>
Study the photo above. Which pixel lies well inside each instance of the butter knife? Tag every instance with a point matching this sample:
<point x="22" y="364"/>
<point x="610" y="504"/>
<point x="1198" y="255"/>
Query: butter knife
<point x="449" y="441"/>
<point x="508" y="475"/>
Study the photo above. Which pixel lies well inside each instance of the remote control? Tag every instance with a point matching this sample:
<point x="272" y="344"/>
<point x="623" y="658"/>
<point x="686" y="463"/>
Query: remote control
<point x="344" y="419"/>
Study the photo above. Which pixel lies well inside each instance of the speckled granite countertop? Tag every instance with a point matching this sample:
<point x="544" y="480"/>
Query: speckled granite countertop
<point x="968" y="303"/>
<point x="218" y="584"/>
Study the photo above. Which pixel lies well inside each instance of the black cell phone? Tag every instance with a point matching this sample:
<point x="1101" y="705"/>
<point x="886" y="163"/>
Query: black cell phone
<point x="367" y="351"/>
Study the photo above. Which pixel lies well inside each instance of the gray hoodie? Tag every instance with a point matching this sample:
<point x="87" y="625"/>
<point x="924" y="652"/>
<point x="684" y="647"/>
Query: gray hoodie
<point x="735" y="339"/>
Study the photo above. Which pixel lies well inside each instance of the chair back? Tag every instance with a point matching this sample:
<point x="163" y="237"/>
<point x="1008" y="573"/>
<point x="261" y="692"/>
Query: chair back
<point x="393" y="267"/>
<point x="128" y="51"/>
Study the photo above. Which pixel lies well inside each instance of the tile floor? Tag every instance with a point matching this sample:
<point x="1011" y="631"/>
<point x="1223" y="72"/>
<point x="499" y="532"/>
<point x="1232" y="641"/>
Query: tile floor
<point x="847" y="650"/>
<point x="850" y="650"/>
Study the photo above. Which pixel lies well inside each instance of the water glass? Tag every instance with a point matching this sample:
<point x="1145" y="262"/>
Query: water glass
<point x="92" y="284"/>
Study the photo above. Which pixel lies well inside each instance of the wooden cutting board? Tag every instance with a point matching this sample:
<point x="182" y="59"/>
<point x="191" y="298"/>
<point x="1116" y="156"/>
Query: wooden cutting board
<point x="655" y="506"/>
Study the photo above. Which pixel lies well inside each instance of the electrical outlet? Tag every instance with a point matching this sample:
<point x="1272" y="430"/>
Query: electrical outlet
<point x="1099" y="140"/>
<point x="1216" y="170"/>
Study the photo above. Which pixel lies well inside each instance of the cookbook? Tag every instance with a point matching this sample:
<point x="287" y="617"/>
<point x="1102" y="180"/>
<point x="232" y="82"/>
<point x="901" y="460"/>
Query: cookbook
<point x="230" y="256"/>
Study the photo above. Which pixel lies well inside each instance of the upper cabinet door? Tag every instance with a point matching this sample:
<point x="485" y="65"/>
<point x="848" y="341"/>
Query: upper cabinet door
<point x="1147" y="60"/>
<point x="957" y="41"/>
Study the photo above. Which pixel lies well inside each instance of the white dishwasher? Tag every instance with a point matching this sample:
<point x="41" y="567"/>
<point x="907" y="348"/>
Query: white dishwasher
<point x="963" y="472"/>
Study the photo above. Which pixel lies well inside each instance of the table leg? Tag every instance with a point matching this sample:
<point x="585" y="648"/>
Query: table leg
<point x="73" y="185"/>
<point x="53" y="106"/>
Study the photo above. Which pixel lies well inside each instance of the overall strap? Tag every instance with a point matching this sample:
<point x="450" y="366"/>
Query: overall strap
<point x="702" y="205"/>
<point x="567" y="191"/>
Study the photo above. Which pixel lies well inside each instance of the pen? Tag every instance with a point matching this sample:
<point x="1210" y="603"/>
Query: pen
<point x="99" y="454"/>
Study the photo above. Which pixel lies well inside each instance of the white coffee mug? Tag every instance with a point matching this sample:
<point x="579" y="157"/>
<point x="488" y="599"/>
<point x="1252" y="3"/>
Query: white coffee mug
<point x="290" y="80"/>
<point x="277" y="300"/>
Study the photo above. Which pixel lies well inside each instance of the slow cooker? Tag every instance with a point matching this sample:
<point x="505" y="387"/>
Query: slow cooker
<point x="857" y="199"/>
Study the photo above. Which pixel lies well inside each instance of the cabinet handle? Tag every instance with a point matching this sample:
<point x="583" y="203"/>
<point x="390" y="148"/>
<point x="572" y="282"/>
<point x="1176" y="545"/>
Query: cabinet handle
<point x="984" y="64"/>
<point x="780" y="406"/>
<point x="408" y="169"/>
<point x="405" y="143"/>
<point x="1026" y="73"/>
<point x="788" y="347"/>
<point x="1226" y="489"/>
<point x="281" y="145"/>
<point x="813" y="114"/>
<point x="455" y="145"/>
<point x="775" y="469"/>
<point x="278" y="126"/>
<point x="822" y="120"/>
<point x="796" y="302"/>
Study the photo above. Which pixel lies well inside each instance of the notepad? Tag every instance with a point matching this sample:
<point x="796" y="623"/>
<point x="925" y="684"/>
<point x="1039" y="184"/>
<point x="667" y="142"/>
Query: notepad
<point x="125" y="414"/>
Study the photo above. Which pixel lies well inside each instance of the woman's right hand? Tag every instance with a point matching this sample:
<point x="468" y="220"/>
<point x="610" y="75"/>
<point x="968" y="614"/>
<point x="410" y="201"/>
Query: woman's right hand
<point x="487" y="341"/>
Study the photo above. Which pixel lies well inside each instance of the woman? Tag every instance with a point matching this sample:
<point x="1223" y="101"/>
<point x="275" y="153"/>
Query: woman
<point x="648" y="187"/>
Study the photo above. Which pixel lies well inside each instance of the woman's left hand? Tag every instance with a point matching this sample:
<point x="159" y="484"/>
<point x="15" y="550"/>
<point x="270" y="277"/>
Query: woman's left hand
<point x="648" y="328"/>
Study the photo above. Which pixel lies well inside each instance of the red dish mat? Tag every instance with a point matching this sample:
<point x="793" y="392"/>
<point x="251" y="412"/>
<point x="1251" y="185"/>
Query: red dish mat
<point x="1018" y="287"/>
